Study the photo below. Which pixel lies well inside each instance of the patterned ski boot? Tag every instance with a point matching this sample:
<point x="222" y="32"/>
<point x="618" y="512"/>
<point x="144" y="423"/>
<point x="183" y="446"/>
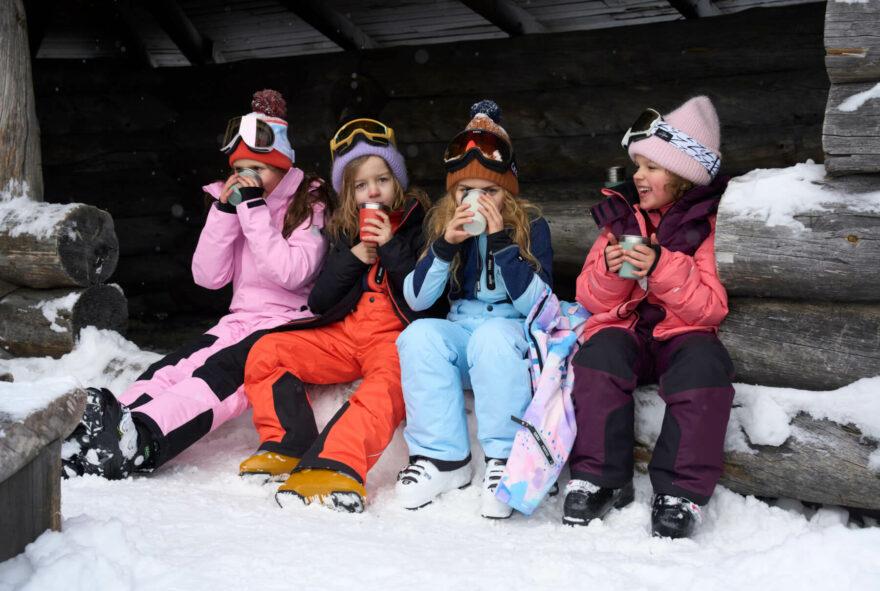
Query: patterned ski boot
<point x="674" y="517"/>
<point x="328" y="487"/>
<point x="105" y="442"/>
<point x="267" y="465"/>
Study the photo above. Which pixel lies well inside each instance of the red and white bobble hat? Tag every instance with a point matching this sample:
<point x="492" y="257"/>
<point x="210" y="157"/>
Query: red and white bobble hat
<point x="269" y="106"/>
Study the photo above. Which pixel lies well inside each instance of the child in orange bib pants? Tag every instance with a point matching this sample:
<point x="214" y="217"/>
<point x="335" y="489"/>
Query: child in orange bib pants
<point x="359" y="297"/>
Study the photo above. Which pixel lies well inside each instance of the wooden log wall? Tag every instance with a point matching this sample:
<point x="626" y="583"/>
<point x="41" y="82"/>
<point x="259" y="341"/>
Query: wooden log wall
<point x="851" y="132"/>
<point x="140" y="143"/>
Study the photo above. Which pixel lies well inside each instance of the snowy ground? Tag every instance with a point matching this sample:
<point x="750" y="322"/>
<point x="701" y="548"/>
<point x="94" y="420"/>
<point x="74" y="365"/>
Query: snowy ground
<point x="194" y="524"/>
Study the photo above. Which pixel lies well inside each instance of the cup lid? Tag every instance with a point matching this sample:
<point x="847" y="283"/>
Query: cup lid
<point x="373" y="205"/>
<point x="631" y="238"/>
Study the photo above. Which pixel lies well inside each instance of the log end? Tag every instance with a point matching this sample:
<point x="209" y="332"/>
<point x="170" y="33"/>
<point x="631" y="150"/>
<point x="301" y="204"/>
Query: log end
<point x="87" y="246"/>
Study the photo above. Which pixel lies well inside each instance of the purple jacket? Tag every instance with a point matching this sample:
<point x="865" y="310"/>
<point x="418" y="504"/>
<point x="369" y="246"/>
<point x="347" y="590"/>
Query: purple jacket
<point x="271" y="276"/>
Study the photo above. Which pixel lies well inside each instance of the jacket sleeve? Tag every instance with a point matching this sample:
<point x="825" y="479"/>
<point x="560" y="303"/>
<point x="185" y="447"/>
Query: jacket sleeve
<point x="524" y="285"/>
<point x="689" y="285"/>
<point x="427" y="281"/>
<point x="342" y="270"/>
<point x="213" y="262"/>
<point x="399" y="255"/>
<point x="598" y="289"/>
<point x="288" y="262"/>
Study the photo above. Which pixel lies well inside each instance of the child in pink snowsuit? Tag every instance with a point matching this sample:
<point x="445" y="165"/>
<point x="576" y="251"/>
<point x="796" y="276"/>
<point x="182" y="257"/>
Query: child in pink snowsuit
<point x="263" y="234"/>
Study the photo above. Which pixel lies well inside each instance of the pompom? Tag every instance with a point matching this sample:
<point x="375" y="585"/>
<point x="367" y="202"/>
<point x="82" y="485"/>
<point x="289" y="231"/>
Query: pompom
<point x="487" y="107"/>
<point x="270" y="103"/>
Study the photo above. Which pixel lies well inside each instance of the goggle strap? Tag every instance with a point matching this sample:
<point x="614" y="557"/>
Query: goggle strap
<point x="685" y="143"/>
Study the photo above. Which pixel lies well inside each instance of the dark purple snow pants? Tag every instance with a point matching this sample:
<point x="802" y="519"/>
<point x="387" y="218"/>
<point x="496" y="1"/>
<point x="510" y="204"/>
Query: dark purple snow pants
<point x="694" y="372"/>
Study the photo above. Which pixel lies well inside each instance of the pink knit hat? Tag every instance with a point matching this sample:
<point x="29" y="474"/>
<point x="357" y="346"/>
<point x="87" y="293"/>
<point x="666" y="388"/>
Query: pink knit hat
<point x="698" y="119"/>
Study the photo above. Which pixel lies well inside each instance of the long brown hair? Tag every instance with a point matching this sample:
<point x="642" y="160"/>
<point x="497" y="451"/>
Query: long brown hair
<point x="312" y="190"/>
<point x="345" y="220"/>
<point x="516" y="213"/>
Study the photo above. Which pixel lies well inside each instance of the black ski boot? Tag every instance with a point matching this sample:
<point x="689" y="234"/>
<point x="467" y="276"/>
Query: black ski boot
<point x="585" y="501"/>
<point x="106" y="440"/>
<point x="674" y="517"/>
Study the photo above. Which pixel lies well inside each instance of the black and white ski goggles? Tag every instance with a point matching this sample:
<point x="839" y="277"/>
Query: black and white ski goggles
<point x="650" y="123"/>
<point x="493" y="151"/>
<point x="256" y="133"/>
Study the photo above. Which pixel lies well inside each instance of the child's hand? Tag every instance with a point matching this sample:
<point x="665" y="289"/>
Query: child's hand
<point x="613" y="255"/>
<point x="366" y="252"/>
<point x="494" y="221"/>
<point x="244" y="180"/>
<point x="378" y="231"/>
<point x="455" y="234"/>
<point x="641" y="257"/>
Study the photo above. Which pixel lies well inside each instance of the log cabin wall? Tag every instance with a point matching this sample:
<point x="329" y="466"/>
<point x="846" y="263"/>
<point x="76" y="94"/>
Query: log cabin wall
<point x="140" y="142"/>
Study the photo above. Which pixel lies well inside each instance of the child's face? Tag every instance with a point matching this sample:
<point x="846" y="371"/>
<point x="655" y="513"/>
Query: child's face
<point x="374" y="183"/>
<point x="654" y="184"/>
<point x="495" y="193"/>
<point x="270" y="175"/>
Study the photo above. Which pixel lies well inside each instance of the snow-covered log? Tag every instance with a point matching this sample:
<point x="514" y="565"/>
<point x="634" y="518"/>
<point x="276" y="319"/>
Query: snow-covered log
<point x="798" y="344"/>
<point x="51" y="245"/>
<point x="850" y="134"/>
<point x="827" y="251"/>
<point x="30" y="461"/>
<point x="821" y="462"/>
<point x="19" y="127"/>
<point x="37" y="322"/>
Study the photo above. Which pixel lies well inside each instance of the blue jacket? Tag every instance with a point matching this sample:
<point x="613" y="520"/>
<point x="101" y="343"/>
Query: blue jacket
<point x="492" y="271"/>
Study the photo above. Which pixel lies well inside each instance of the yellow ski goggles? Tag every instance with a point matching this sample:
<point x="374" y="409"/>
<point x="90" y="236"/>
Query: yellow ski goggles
<point x="366" y="130"/>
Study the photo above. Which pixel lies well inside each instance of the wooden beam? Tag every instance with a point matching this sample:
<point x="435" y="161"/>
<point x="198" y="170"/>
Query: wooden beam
<point x="695" y="8"/>
<point x="197" y="48"/>
<point x="130" y="30"/>
<point x="507" y="16"/>
<point x="330" y="23"/>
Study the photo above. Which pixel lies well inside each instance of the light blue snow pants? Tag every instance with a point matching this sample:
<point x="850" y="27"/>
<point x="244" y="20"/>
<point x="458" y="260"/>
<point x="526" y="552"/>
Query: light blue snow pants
<point x="484" y="349"/>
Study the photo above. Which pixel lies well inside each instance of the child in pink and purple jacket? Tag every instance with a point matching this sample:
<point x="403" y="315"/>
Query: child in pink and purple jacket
<point x="262" y="234"/>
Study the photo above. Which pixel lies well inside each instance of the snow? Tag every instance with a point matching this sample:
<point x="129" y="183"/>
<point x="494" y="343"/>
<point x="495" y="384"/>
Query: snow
<point x="24" y="216"/>
<point x="857" y="100"/>
<point x="18" y="400"/>
<point x="196" y="524"/>
<point x="776" y="195"/>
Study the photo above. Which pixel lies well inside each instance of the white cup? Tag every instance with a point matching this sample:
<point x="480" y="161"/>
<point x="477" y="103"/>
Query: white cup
<point x="477" y="224"/>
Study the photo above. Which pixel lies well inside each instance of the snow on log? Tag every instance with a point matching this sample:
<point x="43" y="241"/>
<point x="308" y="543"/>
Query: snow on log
<point x="821" y="462"/>
<point x="50" y="245"/>
<point x="827" y="249"/>
<point x="30" y="458"/>
<point x="850" y="134"/>
<point x="805" y="345"/>
<point x="47" y="322"/>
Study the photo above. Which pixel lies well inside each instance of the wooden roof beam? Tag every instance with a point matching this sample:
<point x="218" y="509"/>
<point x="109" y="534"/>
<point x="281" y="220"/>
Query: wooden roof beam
<point x="132" y="36"/>
<point x="39" y="13"/>
<point x="330" y="23"/>
<point x="696" y="8"/>
<point x="507" y="16"/>
<point x="197" y="48"/>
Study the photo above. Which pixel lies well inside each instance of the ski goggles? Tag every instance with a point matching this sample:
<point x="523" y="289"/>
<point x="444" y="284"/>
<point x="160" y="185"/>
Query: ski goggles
<point x="650" y="123"/>
<point x="493" y="151"/>
<point x="256" y="133"/>
<point x="367" y="130"/>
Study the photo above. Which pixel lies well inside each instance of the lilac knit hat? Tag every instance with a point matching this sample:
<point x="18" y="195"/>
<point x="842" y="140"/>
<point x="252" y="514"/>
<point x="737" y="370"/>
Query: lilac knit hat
<point x="362" y="148"/>
<point x="698" y="119"/>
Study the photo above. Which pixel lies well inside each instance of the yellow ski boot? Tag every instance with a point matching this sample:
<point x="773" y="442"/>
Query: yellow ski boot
<point x="267" y="465"/>
<point x="328" y="487"/>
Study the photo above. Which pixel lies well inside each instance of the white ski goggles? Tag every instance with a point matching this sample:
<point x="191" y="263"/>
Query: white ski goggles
<point x="253" y="131"/>
<point x="650" y="123"/>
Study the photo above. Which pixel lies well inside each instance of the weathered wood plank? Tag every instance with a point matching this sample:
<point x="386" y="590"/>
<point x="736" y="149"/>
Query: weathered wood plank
<point x="53" y="246"/>
<point x="20" y="140"/>
<point x="852" y="120"/>
<point x="852" y="164"/>
<point x="834" y="258"/>
<point x="852" y="44"/>
<point x="47" y="322"/>
<point x="822" y="462"/>
<point x="806" y="345"/>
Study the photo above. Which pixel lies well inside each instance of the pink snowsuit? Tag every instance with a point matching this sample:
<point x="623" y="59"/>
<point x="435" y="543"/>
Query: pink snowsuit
<point x="194" y="390"/>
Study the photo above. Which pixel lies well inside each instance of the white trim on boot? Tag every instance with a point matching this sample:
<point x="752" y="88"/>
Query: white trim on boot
<point x="490" y="506"/>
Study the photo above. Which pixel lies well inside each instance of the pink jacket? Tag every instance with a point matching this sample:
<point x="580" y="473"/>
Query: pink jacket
<point x="271" y="276"/>
<point x="686" y="287"/>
